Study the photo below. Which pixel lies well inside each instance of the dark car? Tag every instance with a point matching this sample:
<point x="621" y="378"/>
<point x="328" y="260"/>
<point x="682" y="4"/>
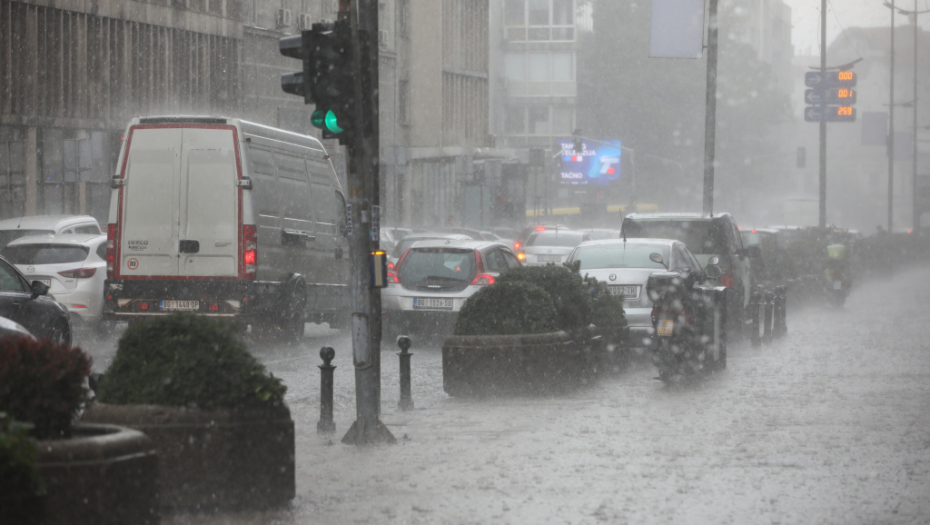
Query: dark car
<point x="774" y="263"/>
<point x="707" y="237"/>
<point x="30" y="306"/>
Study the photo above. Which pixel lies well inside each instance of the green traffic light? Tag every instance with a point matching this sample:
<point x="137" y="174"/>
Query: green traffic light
<point x="325" y="119"/>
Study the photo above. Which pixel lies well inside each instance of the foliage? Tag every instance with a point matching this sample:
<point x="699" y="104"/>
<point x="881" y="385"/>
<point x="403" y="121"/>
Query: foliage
<point x="42" y="382"/>
<point x="573" y="303"/>
<point x="18" y="470"/>
<point x="608" y="309"/>
<point x="186" y="359"/>
<point x="506" y="308"/>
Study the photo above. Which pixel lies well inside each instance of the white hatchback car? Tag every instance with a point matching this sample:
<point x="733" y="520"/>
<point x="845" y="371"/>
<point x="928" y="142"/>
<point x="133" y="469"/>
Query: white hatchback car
<point x="431" y="281"/>
<point x="550" y="246"/>
<point x="72" y="265"/>
<point x="11" y="229"/>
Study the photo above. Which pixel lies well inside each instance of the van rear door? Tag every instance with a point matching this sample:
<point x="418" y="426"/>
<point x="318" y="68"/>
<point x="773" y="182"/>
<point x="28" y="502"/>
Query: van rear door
<point x="180" y="207"/>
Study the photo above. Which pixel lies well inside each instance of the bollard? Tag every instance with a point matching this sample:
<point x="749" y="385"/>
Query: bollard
<point x="769" y="302"/>
<point x="779" y="312"/>
<point x="783" y="330"/>
<point x="326" y="424"/>
<point x="406" y="400"/>
<point x="755" y="299"/>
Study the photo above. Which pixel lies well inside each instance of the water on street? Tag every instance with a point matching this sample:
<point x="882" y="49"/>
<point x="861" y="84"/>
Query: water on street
<point x="829" y="424"/>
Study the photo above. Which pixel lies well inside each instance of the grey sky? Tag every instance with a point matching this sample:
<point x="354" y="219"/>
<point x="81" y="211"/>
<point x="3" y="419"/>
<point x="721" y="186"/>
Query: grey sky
<point x="842" y="14"/>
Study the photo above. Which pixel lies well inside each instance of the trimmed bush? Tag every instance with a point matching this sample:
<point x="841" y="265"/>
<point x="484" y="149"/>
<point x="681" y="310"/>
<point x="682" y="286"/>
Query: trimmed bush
<point x="573" y="302"/>
<point x="42" y="383"/>
<point x="607" y="310"/>
<point x="18" y="471"/>
<point x="506" y="308"/>
<point x="185" y="359"/>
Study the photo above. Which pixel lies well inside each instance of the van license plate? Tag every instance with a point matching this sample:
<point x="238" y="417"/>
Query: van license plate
<point x="179" y="305"/>
<point x="429" y="302"/>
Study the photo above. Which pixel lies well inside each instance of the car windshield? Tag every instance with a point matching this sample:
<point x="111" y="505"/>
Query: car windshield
<point x="701" y="237"/>
<point x="555" y="238"/>
<point x="619" y="256"/>
<point x="407" y="242"/>
<point x="8" y="236"/>
<point x="45" y="253"/>
<point x="424" y="265"/>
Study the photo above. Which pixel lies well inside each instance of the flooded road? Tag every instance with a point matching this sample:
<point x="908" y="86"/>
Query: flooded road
<point x="827" y="425"/>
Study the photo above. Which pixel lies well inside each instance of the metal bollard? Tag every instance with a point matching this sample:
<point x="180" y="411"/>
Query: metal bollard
<point x="767" y="323"/>
<point x="755" y="299"/>
<point x="784" y="310"/>
<point x="406" y="400"/>
<point x="326" y="424"/>
<point x="779" y="312"/>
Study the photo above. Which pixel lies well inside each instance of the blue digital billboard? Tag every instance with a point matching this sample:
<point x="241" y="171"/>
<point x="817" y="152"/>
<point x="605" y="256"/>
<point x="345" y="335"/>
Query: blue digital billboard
<point x="598" y="163"/>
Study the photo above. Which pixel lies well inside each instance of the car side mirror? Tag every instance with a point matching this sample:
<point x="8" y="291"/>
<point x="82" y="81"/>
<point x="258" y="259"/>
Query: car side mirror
<point x="712" y="271"/>
<point x="39" y="288"/>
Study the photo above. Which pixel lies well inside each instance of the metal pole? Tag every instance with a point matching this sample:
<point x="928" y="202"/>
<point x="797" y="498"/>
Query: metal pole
<point x="710" y="108"/>
<point x="823" y="125"/>
<point x="891" y="132"/>
<point x="406" y="399"/>
<point x="326" y="425"/>
<point x="363" y="157"/>
<point x="914" y="212"/>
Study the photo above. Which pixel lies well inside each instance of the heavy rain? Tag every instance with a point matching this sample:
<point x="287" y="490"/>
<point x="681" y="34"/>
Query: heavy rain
<point x="464" y="261"/>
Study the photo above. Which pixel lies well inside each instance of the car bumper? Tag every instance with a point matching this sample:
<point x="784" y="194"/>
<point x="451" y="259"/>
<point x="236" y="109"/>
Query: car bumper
<point x="85" y="305"/>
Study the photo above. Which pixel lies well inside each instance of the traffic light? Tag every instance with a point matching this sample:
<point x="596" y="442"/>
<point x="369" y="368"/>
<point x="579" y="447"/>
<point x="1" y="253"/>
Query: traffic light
<point x="328" y="76"/>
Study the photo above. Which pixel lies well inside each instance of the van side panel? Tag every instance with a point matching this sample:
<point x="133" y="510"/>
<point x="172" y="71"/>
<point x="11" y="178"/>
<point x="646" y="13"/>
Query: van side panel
<point x="210" y="203"/>
<point x="149" y="215"/>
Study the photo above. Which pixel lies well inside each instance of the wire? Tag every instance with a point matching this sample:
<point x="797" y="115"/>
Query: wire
<point x="843" y="29"/>
<point x="775" y="16"/>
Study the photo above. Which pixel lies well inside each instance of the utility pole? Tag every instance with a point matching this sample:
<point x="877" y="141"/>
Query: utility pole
<point x="823" y="124"/>
<point x="710" y="115"/>
<point x="891" y="131"/>
<point x="363" y="168"/>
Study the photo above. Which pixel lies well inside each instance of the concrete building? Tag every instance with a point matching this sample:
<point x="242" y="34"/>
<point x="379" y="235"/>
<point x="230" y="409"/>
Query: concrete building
<point x="71" y="78"/>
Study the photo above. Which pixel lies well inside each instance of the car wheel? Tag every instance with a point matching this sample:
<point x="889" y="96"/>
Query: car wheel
<point x="61" y="333"/>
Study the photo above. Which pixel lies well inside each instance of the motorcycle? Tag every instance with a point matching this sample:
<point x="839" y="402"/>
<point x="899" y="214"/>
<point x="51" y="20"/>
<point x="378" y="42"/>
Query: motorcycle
<point x="837" y="280"/>
<point x="688" y="327"/>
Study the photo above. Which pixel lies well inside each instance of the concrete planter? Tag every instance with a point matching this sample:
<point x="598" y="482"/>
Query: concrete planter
<point x="103" y="475"/>
<point x="214" y="459"/>
<point x="515" y="364"/>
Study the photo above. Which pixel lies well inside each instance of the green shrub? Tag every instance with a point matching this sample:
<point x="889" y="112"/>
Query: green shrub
<point x="506" y="308"/>
<point x="18" y="470"/>
<point x="42" y="383"/>
<point x="571" y="297"/>
<point x="186" y="359"/>
<point x="607" y="310"/>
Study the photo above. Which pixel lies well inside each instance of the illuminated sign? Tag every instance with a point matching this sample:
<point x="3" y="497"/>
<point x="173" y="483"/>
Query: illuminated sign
<point x="598" y="163"/>
<point x="830" y="114"/>
<point x="842" y="96"/>
<point x="830" y="79"/>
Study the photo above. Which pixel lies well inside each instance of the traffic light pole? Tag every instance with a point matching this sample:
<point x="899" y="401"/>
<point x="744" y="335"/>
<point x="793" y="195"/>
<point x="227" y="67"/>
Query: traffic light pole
<point x="710" y="116"/>
<point x="363" y="242"/>
<point x="823" y="124"/>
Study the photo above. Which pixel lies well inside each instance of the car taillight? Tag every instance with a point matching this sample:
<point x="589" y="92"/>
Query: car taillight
<point x="540" y="228"/>
<point x="250" y="250"/>
<point x="837" y="276"/>
<point x="482" y="279"/>
<point x="727" y="280"/>
<point x="80" y="273"/>
<point x="111" y="249"/>
<point x="521" y="256"/>
<point x="517" y="245"/>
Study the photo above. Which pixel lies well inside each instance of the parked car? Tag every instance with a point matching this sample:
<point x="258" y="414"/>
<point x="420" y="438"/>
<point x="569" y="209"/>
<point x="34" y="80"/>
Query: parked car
<point x="705" y="236"/>
<point x="29" y="305"/>
<point x="550" y="246"/>
<point x="227" y="218"/>
<point x="11" y="328"/>
<point x="72" y="265"/>
<point x="428" y="286"/>
<point x="626" y="266"/>
<point x="46" y="225"/>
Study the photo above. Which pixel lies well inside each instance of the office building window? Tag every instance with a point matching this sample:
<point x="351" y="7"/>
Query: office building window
<point x="539" y="20"/>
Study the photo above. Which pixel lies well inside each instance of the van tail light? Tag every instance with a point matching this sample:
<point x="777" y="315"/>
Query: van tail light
<point x="250" y="251"/>
<point x="727" y="280"/>
<point x="111" y="250"/>
<point x="80" y="273"/>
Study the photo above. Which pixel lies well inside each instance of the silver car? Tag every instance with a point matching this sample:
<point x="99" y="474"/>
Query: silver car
<point x="431" y="281"/>
<point x="625" y="266"/>
<point x="550" y="246"/>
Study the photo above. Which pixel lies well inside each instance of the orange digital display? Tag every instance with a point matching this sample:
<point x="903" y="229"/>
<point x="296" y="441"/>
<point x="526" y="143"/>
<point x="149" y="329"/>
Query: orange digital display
<point x="844" y="110"/>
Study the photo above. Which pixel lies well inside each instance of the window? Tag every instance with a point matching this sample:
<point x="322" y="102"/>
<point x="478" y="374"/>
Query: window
<point x="539" y="20"/>
<point x="538" y="12"/>
<point x="562" y="67"/>
<point x="537" y="65"/>
<point x="515" y="120"/>
<point x="539" y="120"/>
<point x="9" y="280"/>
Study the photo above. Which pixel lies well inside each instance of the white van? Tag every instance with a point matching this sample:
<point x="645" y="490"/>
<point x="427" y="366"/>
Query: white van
<point x="226" y="218"/>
